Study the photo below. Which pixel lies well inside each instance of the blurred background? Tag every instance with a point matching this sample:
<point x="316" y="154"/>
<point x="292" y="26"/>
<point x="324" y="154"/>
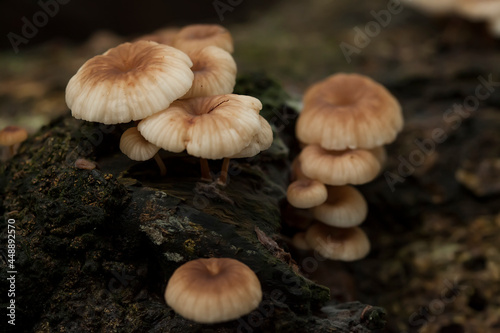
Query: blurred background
<point x="441" y="234"/>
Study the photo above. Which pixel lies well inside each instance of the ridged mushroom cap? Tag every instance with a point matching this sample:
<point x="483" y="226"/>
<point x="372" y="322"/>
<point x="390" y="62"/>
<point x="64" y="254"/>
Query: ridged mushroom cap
<point x="299" y="241"/>
<point x="213" y="290"/>
<point x="261" y="141"/>
<point x="333" y="167"/>
<point x="344" y="207"/>
<point x="133" y="144"/>
<point x="129" y="82"/>
<point x="12" y="135"/>
<point x="198" y="36"/>
<point x="346" y="244"/>
<point x="349" y="111"/>
<point x="214" y="72"/>
<point x="209" y="127"/>
<point x="306" y="193"/>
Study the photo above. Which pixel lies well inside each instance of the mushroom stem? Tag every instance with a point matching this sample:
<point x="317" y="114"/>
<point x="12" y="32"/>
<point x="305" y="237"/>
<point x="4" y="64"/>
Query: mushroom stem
<point x="223" y="173"/>
<point x="205" y="170"/>
<point x="161" y="165"/>
<point x="11" y="150"/>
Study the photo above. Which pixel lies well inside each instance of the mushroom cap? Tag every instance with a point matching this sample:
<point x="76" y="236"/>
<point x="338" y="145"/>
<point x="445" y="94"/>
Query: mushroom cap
<point x="161" y="36"/>
<point x="333" y="167"/>
<point x="197" y="36"/>
<point x="261" y="141"/>
<point x="211" y="127"/>
<point x="214" y="72"/>
<point x="349" y="111"/>
<point x="12" y="135"/>
<point x="213" y="290"/>
<point x="346" y="244"/>
<point x="129" y="82"/>
<point x="345" y="207"/>
<point x="133" y="144"/>
<point x="306" y="193"/>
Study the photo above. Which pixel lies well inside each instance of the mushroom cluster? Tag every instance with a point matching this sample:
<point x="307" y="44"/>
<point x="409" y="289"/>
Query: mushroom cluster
<point x="474" y="10"/>
<point x="179" y="96"/>
<point x="345" y="121"/>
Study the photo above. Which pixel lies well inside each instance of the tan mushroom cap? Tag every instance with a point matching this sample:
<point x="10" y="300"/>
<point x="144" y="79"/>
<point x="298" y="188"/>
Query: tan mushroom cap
<point x="161" y="36"/>
<point x="332" y="167"/>
<point x="12" y="135"/>
<point x="208" y="127"/>
<point x="261" y="141"/>
<point x="349" y="111"/>
<point x="129" y="82"/>
<point x="345" y="207"/>
<point x="198" y="36"/>
<point x="213" y="290"/>
<point x="214" y="72"/>
<point x="346" y="244"/>
<point x="306" y="193"/>
<point x="133" y="144"/>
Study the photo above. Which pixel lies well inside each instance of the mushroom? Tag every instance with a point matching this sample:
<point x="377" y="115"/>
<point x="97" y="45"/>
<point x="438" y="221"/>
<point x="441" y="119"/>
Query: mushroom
<point x="261" y="141"/>
<point x="213" y="290"/>
<point x="129" y="82"/>
<point x="197" y="36"/>
<point x="133" y="144"/>
<point x="306" y="193"/>
<point x="214" y="72"/>
<point x="348" y="111"/>
<point x="207" y="127"/>
<point x="332" y="167"/>
<point x="345" y="207"/>
<point x="10" y="136"/>
<point x="346" y="244"/>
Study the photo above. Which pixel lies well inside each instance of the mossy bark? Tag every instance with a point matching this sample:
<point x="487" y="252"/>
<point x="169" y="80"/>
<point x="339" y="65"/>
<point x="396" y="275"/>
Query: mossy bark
<point x="95" y="248"/>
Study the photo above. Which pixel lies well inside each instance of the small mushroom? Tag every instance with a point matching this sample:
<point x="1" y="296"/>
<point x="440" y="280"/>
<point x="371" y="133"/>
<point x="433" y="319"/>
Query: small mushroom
<point x="349" y="166"/>
<point x="133" y="144"/>
<point x="10" y="136"/>
<point x="345" y="207"/>
<point x="198" y="36"/>
<point x="346" y="244"/>
<point x="349" y="111"/>
<point x="129" y="82"/>
<point x="213" y="290"/>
